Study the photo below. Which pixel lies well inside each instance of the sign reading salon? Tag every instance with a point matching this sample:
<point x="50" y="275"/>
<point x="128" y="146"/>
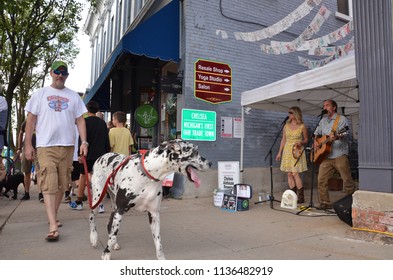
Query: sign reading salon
<point x="213" y="81"/>
<point x="198" y="125"/>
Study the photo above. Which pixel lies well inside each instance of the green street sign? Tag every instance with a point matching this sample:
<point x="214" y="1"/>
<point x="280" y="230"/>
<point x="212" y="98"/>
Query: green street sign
<point x="198" y="125"/>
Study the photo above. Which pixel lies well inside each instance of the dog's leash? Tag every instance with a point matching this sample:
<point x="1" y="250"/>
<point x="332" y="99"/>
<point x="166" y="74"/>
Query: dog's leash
<point x="87" y="182"/>
<point x="108" y="181"/>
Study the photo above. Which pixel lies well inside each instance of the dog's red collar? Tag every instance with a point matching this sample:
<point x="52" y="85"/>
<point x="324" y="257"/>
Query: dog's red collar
<point x="144" y="169"/>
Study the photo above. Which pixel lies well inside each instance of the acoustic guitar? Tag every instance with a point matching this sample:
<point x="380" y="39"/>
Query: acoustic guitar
<point x="324" y="146"/>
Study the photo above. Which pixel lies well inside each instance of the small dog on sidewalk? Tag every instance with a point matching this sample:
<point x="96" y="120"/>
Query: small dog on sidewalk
<point x="11" y="182"/>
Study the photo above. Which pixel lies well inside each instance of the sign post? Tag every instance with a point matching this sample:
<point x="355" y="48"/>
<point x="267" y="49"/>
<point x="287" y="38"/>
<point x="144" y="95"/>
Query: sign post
<point x="198" y="125"/>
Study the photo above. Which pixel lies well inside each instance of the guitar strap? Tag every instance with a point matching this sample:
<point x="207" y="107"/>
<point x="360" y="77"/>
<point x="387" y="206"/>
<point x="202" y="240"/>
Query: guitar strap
<point x="335" y="125"/>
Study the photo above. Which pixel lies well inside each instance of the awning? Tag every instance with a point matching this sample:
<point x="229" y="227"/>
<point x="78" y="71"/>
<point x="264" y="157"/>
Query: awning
<point x="308" y="89"/>
<point x="156" y="37"/>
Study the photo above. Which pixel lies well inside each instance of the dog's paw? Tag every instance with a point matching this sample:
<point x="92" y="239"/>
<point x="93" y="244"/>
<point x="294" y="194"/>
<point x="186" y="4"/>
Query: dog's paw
<point x="161" y="256"/>
<point x="116" y="247"/>
<point x="106" y="256"/>
<point x="14" y="197"/>
<point x="93" y="239"/>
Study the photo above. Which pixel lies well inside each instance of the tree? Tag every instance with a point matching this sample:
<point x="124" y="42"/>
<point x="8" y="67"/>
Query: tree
<point x="34" y="33"/>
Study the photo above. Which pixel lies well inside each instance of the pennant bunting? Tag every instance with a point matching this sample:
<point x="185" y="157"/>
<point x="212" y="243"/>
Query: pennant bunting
<point x="287" y="47"/>
<point x="328" y="51"/>
<point x="268" y="32"/>
<point x="332" y="37"/>
<point x="341" y="51"/>
<point x="224" y="34"/>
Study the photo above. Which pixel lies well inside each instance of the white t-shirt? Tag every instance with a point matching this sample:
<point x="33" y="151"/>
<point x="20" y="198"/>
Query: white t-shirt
<point x="76" y="145"/>
<point x="56" y="111"/>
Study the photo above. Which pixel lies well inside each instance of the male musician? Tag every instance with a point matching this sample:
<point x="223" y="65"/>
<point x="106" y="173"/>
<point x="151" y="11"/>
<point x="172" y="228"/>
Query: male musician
<point x="337" y="159"/>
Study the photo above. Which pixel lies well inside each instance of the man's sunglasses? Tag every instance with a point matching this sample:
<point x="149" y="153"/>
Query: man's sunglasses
<point x="63" y="73"/>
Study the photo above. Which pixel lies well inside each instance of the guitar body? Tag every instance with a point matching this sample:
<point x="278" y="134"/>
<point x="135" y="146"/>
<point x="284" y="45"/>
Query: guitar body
<point x="325" y="147"/>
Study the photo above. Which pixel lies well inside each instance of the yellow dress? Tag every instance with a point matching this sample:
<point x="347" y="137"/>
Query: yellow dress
<point x="287" y="159"/>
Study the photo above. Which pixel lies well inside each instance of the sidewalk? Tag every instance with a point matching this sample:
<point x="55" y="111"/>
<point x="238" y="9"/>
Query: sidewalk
<point x="191" y="229"/>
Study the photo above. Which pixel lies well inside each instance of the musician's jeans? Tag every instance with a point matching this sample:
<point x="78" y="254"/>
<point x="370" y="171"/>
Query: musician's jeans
<point x="326" y="171"/>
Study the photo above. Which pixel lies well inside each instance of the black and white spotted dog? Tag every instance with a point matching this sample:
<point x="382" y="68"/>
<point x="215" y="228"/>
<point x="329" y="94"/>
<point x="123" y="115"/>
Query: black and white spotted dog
<point x="136" y="184"/>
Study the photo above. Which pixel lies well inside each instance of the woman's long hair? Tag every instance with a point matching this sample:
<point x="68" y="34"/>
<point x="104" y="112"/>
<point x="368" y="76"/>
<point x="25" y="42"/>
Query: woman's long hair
<point x="298" y="114"/>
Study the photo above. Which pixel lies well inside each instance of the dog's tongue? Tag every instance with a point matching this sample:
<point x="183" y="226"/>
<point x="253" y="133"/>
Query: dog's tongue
<point x="194" y="176"/>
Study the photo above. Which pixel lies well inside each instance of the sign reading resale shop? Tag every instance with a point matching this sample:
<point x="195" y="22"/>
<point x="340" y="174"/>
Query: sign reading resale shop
<point x="213" y="81"/>
<point x="198" y="125"/>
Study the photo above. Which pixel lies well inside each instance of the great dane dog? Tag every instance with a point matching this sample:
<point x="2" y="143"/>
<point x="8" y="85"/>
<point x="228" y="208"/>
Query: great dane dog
<point x="135" y="182"/>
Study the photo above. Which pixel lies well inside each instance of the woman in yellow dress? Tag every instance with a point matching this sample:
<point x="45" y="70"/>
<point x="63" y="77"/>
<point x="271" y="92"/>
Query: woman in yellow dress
<point x="294" y="137"/>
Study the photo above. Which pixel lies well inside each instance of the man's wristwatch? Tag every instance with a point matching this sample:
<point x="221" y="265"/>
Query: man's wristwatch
<point x="86" y="143"/>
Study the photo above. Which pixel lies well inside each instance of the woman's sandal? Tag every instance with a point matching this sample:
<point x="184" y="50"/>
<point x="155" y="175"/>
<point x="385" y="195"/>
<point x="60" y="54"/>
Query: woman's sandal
<point x="52" y="236"/>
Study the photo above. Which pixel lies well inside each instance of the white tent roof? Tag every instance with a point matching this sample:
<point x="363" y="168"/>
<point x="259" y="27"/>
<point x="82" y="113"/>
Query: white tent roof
<point x="308" y="89"/>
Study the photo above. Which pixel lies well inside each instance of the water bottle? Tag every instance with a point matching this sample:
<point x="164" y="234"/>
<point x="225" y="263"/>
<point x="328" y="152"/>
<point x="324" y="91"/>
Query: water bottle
<point x="260" y="197"/>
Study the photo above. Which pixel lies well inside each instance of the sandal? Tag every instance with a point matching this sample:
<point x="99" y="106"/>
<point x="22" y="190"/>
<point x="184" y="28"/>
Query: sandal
<point x="59" y="224"/>
<point x="52" y="236"/>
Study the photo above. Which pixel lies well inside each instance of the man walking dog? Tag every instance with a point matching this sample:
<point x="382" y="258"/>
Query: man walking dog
<point x="53" y="112"/>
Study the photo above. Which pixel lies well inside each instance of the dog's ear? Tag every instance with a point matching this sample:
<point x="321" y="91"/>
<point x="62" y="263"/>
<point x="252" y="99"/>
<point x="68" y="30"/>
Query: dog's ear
<point x="175" y="145"/>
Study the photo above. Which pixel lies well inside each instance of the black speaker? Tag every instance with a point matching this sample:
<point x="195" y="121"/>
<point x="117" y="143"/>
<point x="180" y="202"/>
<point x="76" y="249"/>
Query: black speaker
<point x="343" y="208"/>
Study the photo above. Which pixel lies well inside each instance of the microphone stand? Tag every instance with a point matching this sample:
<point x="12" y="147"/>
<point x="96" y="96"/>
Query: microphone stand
<point x="269" y="154"/>
<point x="311" y="204"/>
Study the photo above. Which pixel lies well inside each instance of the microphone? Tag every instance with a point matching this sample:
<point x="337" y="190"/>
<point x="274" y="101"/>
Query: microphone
<point x="285" y="119"/>
<point x="324" y="111"/>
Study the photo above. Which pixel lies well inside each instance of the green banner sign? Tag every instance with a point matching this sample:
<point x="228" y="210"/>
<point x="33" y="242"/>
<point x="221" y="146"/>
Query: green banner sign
<point x="198" y="125"/>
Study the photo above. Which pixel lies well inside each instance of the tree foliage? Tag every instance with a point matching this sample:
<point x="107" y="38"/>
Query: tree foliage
<point x="34" y="33"/>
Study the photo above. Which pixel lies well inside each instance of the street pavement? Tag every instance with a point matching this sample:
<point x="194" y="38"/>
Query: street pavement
<point x="191" y="229"/>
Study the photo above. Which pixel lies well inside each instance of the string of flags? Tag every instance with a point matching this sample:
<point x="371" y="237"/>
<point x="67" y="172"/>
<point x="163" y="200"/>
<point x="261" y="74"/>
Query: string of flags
<point x="332" y="52"/>
<point x="268" y="32"/>
<point x="276" y="47"/>
<point x="318" y="47"/>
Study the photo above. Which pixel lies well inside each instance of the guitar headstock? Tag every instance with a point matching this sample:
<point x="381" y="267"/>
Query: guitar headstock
<point x="343" y="131"/>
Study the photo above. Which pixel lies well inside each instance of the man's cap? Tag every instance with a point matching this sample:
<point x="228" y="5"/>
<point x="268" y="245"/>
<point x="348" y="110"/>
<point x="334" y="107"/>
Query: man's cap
<point x="57" y="64"/>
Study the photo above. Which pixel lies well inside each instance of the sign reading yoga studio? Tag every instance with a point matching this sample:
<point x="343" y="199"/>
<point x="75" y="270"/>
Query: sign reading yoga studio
<point x="213" y="81"/>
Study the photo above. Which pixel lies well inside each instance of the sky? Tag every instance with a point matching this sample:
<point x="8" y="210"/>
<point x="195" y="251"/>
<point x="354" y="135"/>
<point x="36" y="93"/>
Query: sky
<point x="79" y="78"/>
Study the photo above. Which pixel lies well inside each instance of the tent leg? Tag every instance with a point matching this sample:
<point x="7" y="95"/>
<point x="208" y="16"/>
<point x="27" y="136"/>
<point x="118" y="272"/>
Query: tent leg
<point x="242" y="146"/>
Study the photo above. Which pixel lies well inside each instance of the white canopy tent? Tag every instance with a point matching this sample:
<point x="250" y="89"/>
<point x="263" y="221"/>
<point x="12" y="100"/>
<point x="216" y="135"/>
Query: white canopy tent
<point x="307" y="90"/>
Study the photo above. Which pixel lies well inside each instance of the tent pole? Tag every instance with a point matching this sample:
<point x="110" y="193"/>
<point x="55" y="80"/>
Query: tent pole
<point x="241" y="146"/>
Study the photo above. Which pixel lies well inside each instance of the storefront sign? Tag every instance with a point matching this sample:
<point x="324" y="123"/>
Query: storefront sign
<point x="171" y="85"/>
<point x="146" y="116"/>
<point x="213" y="81"/>
<point x="198" y="125"/>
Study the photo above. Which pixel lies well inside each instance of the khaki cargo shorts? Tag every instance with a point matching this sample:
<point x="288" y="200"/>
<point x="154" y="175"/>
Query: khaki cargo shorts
<point x="55" y="168"/>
